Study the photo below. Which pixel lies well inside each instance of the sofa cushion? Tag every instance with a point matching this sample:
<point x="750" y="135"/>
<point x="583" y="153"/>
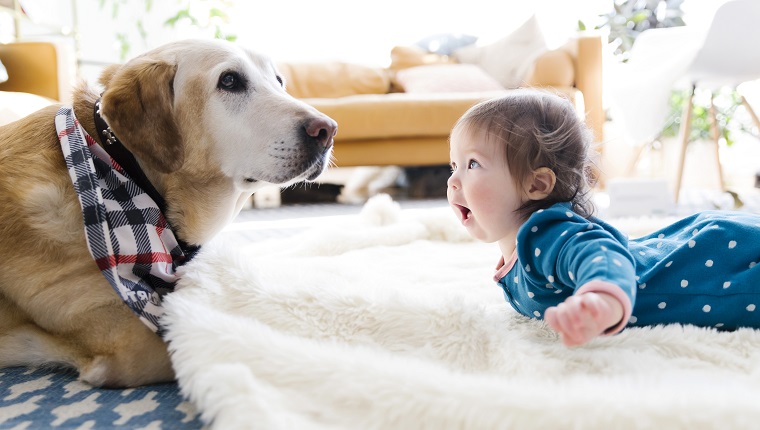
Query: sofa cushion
<point x="403" y="115"/>
<point x="403" y="57"/>
<point x="510" y="59"/>
<point x="397" y="114"/>
<point x="333" y="79"/>
<point x="445" y="78"/>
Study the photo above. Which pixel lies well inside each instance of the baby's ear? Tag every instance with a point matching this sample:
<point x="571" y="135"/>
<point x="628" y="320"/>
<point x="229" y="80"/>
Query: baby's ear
<point x="541" y="183"/>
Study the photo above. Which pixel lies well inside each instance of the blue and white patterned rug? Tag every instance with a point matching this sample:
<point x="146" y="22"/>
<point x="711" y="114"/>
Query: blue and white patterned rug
<point x="54" y="399"/>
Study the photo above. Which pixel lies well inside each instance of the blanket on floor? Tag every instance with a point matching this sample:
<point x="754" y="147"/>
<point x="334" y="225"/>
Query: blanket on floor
<point x="390" y="320"/>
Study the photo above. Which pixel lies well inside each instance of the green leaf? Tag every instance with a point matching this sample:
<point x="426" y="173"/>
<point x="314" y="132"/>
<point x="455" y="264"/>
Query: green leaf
<point x="640" y="16"/>
<point x="124" y="46"/>
<point x="141" y="30"/>
<point x="180" y="15"/>
<point x="216" y="12"/>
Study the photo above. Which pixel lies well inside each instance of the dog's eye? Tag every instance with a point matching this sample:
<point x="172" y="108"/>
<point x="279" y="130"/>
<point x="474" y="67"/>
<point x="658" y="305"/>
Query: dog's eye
<point x="279" y="79"/>
<point x="231" y="81"/>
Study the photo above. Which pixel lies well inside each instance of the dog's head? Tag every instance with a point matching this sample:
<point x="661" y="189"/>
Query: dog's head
<point x="214" y="106"/>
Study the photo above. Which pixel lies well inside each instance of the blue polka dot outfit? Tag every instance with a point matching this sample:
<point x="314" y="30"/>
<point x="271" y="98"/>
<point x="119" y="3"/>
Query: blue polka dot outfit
<point x="702" y="270"/>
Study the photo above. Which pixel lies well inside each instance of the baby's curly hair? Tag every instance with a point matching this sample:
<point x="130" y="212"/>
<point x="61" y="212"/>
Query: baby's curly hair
<point x="541" y="129"/>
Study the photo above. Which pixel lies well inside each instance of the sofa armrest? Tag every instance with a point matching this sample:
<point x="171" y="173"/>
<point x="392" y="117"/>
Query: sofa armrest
<point x="588" y="79"/>
<point x="554" y="68"/>
<point x="32" y="68"/>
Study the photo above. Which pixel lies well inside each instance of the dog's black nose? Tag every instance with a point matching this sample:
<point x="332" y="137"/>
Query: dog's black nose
<point x="322" y="130"/>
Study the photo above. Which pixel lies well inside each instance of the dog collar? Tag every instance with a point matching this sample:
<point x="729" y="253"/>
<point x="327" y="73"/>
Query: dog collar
<point x="124" y="158"/>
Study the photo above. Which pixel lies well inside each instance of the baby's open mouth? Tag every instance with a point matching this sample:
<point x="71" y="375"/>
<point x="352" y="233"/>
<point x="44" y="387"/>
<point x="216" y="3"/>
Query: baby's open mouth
<point x="464" y="212"/>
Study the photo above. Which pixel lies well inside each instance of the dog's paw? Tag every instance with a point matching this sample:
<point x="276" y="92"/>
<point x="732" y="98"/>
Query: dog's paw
<point x="96" y="372"/>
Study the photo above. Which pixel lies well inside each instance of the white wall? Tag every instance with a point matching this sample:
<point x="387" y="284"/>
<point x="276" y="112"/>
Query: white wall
<point x="366" y="32"/>
<point x="310" y="30"/>
<point x="313" y="30"/>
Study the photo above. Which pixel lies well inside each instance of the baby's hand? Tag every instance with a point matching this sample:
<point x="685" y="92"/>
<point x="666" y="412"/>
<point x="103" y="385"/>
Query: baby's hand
<point x="582" y="317"/>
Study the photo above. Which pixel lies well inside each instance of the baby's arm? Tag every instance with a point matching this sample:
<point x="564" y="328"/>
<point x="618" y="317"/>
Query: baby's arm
<point x="596" y="308"/>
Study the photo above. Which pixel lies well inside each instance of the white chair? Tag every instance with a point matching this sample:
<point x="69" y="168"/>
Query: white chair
<point x="728" y="56"/>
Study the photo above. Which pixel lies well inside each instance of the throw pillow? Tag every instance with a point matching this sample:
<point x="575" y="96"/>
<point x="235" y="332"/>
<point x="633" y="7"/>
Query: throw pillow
<point x="445" y="43"/>
<point x="510" y="59"/>
<point x="3" y="73"/>
<point x="442" y="78"/>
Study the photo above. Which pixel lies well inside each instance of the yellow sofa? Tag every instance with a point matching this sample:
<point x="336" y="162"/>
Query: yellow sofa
<point x="379" y="124"/>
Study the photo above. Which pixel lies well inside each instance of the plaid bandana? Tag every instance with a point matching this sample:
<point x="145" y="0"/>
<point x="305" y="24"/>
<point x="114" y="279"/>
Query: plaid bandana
<point x="127" y="234"/>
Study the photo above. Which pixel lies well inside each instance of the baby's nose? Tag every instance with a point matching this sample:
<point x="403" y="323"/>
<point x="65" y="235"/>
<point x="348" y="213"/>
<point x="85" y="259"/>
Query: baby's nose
<point x="452" y="182"/>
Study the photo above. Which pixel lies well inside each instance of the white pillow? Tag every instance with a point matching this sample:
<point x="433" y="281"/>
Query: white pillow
<point x="510" y="59"/>
<point x="446" y="78"/>
<point x="3" y="73"/>
<point x="14" y="105"/>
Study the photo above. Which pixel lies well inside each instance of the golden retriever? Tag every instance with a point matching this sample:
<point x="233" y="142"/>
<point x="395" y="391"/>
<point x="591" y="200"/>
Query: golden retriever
<point x="209" y="123"/>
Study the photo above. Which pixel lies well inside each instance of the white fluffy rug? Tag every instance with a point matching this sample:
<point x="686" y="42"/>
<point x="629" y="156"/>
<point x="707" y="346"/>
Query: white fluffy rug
<point x="390" y="320"/>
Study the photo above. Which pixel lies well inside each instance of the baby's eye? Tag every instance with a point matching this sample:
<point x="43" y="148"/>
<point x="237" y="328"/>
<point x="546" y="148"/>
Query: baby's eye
<point x="453" y="167"/>
<point x="473" y="164"/>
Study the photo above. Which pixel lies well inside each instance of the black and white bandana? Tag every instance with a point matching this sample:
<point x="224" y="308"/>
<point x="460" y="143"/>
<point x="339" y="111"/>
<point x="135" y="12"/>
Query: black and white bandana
<point x="127" y="234"/>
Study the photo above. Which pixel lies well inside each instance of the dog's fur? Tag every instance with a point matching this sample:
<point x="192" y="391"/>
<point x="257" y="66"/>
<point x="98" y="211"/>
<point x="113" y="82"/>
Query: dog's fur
<point x="204" y="147"/>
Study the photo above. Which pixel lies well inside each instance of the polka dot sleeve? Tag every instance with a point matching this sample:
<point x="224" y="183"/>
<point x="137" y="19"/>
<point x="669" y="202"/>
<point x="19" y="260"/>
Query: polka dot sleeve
<point x="560" y="247"/>
<point x="617" y="293"/>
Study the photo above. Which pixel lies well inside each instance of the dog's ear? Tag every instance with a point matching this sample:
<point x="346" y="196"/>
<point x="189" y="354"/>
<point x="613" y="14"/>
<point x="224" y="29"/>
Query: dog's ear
<point x="107" y="74"/>
<point x="137" y="103"/>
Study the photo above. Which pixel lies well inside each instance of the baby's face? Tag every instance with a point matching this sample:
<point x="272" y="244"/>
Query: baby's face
<point x="481" y="190"/>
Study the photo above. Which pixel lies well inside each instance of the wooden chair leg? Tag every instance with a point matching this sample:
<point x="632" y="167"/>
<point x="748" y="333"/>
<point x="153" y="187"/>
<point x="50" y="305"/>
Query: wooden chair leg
<point x="756" y="120"/>
<point x="684" y="138"/>
<point x="715" y="134"/>
<point x="638" y="151"/>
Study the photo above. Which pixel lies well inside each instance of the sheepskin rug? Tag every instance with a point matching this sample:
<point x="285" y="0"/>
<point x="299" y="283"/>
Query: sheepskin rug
<point x="390" y="320"/>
